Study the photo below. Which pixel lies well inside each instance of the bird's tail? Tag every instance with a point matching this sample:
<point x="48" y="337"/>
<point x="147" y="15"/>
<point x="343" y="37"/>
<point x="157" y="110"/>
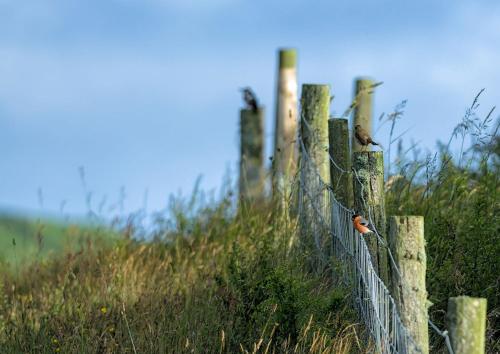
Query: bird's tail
<point x="378" y="144"/>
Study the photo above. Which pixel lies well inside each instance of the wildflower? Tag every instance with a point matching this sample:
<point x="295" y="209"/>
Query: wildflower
<point x="54" y="341"/>
<point x="104" y="310"/>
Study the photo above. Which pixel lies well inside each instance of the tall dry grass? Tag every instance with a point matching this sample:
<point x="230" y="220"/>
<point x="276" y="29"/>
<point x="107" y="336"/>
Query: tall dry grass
<point x="211" y="283"/>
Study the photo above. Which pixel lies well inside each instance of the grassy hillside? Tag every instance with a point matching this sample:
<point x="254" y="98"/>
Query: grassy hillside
<point x="212" y="284"/>
<point x="23" y="240"/>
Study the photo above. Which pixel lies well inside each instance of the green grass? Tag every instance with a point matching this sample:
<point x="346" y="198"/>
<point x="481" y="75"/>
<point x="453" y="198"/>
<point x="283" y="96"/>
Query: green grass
<point x="24" y="240"/>
<point x="458" y="195"/>
<point x="212" y="284"/>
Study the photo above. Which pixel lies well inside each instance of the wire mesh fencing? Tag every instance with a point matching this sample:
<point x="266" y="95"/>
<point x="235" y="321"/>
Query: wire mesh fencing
<point x="329" y="225"/>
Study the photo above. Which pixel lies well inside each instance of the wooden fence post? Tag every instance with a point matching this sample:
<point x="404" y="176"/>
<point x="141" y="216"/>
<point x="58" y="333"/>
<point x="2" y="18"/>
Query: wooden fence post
<point x="363" y="95"/>
<point x="252" y="155"/>
<point x="466" y="319"/>
<point x="369" y="201"/>
<point x="315" y="103"/>
<point x="338" y="134"/>
<point x="285" y="133"/>
<point x="407" y="243"/>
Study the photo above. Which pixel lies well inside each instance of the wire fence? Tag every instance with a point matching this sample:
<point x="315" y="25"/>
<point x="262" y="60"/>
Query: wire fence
<point x="329" y="223"/>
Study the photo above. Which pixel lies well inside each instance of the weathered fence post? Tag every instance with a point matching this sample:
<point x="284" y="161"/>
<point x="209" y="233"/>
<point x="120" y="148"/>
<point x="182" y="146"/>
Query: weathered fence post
<point x="252" y="155"/>
<point x="369" y="201"/>
<point x="363" y="95"/>
<point x="466" y="319"/>
<point x="338" y="134"/>
<point x="314" y="161"/>
<point x="407" y="243"/>
<point x="315" y="102"/>
<point x="285" y="133"/>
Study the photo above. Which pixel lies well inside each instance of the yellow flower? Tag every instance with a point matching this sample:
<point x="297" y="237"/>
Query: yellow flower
<point x="104" y="309"/>
<point x="58" y="350"/>
<point x="55" y="341"/>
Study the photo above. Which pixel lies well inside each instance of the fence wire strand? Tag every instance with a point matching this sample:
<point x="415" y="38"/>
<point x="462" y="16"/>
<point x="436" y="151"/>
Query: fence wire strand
<point x="329" y="222"/>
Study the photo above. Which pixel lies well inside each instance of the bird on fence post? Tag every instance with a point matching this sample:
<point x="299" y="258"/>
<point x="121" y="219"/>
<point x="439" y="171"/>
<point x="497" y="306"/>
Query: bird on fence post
<point x="363" y="137"/>
<point x="250" y="99"/>
<point x="362" y="225"/>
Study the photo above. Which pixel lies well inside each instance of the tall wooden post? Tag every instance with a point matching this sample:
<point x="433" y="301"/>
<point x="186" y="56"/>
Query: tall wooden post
<point x="314" y="162"/>
<point x="315" y="102"/>
<point x="407" y="244"/>
<point x="363" y="95"/>
<point x="338" y="134"/>
<point x="252" y="155"/>
<point x="285" y="133"/>
<point x="466" y="319"/>
<point x="369" y="201"/>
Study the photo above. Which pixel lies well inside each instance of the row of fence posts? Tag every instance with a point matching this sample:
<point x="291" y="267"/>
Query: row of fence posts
<point x="357" y="182"/>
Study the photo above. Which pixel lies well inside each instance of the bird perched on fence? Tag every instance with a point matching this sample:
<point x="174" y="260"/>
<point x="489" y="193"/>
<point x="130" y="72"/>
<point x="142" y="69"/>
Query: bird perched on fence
<point x="363" y="137"/>
<point x="361" y="224"/>
<point x="250" y="99"/>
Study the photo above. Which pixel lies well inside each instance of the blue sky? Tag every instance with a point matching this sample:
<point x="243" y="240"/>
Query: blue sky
<point x="144" y="93"/>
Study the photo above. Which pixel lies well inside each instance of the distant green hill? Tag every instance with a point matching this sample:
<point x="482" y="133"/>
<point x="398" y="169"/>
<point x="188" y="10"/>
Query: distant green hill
<point x="23" y="240"/>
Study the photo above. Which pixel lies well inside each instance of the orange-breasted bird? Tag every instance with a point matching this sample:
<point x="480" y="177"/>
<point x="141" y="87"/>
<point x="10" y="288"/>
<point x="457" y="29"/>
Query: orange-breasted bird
<point x="361" y="224"/>
<point x="362" y="136"/>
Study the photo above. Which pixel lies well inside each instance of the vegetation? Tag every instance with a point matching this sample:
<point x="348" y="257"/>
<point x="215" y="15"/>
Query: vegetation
<point x="459" y="198"/>
<point x="23" y="240"/>
<point x="208" y="283"/>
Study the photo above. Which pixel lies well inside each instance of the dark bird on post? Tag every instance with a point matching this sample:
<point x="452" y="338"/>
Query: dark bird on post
<point x="362" y="136"/>
<point x="250" y="99"/>
<point x="361" y="224"/>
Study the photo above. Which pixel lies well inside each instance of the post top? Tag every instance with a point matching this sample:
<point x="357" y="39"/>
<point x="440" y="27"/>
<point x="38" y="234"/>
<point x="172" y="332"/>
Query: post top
<point x="315" y="86"/>
<point x="464" y="298"/>
<point x="260" y="109"/>
<point x="378" y="154"/>
<point x="363" y="83"/>
<point x="287" y="58"/>
<point x="364" y="79"/>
